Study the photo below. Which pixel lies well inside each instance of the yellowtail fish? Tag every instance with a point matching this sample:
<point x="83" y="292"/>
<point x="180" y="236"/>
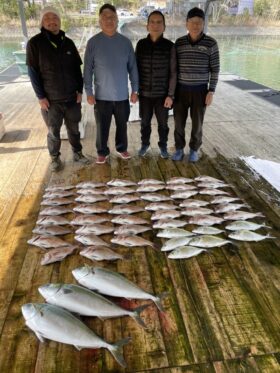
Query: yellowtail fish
<point x="208" y="241"/>
<point x="193" y="211"/>
<point x="169" y="223"/>
<point x="174" y="232"/>
<point x="175" y="242"/>
<point x="246" y="235"/>
<point x="185" y="252"/>
<point x="244" y="224"/>
<point x="165" y="214"/>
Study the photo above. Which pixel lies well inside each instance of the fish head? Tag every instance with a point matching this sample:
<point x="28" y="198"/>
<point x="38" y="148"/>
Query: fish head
<point x="49" y="290"/>
<point x="81" y="272"/>
<point x="30" y="310"/>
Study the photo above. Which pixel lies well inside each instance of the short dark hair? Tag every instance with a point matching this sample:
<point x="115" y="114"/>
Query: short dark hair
<point x="196" y="12"/>
<point x="107" y="6"/>
<point x="157" y="12"/>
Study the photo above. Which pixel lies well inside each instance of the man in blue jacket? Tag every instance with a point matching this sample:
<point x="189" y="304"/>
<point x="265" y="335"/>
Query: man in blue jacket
<point x="54" y="67"/>
<point x="109" y="59"/>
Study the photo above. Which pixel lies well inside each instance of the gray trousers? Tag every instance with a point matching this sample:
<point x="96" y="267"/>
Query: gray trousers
<point x="195" y="101"/>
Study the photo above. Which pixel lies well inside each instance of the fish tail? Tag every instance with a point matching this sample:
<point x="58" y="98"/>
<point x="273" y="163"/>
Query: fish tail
<point x="158" y="300"/>
<point x="137" y="317"/>
<point x="116" y="351"/>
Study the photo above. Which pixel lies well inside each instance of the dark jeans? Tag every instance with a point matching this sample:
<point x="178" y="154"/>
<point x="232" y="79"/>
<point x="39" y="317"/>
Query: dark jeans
<point x="71" y="113"/>
<point x="103" y="111"/>
<point x="147" y="106"/>
<point x="195" y="101"/>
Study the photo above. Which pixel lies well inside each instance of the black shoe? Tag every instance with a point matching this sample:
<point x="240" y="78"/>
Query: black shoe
<point x="79" y="157"/>
<point x="56" y="164"/>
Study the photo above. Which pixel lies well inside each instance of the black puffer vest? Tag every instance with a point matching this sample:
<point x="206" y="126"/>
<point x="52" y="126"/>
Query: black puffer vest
<point x="153" y="61"/>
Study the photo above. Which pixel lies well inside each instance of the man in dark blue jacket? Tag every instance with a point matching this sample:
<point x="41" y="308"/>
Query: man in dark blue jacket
<point x="54" y="69"/>
<point x="156" y="61"/>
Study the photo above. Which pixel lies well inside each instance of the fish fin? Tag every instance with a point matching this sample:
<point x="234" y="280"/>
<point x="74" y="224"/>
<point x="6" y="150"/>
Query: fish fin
<point x="271" y="237"/>
<point x="158" y="300"/>
<point x="40" y="337"/>
<point x="79" y="348"/>
<point x="115" y="350"/>
<point x="137" y="317"/>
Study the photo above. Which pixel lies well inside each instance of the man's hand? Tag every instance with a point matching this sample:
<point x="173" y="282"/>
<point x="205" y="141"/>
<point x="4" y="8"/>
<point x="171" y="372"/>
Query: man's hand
<point x="209" y="98"/>
<point x="134" y="97"/>
<point x="79" y="97"/>
<point x="91" y="100"/>
<point x="168" y="102"/>
<point x="44" y="103"/>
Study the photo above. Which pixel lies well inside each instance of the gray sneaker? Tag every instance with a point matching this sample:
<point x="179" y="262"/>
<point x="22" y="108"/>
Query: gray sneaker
<point x="56" y="164"/>
<point x="79" y="157"/>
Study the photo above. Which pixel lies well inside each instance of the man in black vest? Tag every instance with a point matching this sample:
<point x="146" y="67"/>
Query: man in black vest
<point x="156" y="61"/>
<point x="54" y="67"/>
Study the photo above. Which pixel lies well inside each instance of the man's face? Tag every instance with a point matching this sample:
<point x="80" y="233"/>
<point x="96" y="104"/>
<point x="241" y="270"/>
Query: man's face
<point x="195" y="27"/>
<point x="51" y="22"/>
<point x="108" y="21"/>
<point x="155" y="25"/>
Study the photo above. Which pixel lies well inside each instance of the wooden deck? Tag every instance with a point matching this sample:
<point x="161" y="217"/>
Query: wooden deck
<point x="222" y="310"/>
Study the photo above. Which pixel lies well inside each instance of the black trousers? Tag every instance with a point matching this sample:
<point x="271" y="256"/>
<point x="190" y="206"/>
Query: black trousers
<point x="195" y="101"/>
<point x="71" y="114"/>
<point x="147" y="106"/>
<point x="103" y="111"/>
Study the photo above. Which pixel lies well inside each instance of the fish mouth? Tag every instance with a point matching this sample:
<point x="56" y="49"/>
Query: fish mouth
<point x="81" y="272"/>
<point x="29" y="310"/>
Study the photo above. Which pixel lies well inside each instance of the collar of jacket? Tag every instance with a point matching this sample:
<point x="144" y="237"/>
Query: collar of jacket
<point x="55" y="40"/>
<point x="157" y="41"/>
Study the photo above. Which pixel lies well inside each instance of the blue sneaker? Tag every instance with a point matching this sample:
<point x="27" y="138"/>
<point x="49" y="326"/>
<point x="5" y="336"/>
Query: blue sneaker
<point x="143" y="150"/>
<point x="178" y="155"/>
<point x="193" y="156"/>
<point x="164" y="153"/>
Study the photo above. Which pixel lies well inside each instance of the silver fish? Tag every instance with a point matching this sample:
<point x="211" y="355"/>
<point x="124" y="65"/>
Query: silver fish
<point x="242" y="215"/>
<point x="52" y="220"/>
<point x="183" y="194"/>
<point x="145" y="188"/>
<point x="169" y="223"/>
<point x="92" y="191"/>
<point x="85" y="302"/>
<point x="155" y="197"/>
<point x="112" y="283"/>
<point x="100" y="253"/>
<point x="174" y="232"/>
<point x="208" y="241"/>
<point x="165" y="214"/>
<point x="207" y="184"/>
<point x="244" y="224"/>
<point x="46" y="242"/>
<point x="227" y="207"/>
<point x="131" y="229"/>
<point x="246" y="235"/>
<point x="205" y="220"/>
<point x="158" y="206"/>
<point x="59" y="194"/>
<point x="125" y="209"/>
<point x="179" y="180"/>
<point x="212" y="192"/>
<point x="55" y="210"/>
<point x="207" y="230"/>
<point x="89" y="209"/>
<point x="177" y="187"/>
<point x="193" y="211"/>
<point x="125" y="198"/>
<point x="57" y="324"/>
<point x="131" y="241"/>
<point x="120" y="182"/>
<point x="97" y="229"/>
<point x="57" y="255"/>
<point x="89" y="219"/>
<point x="91" y="198"/>
<point x="175" y="242"/>
<point x="90" y="239"/>
<point x="55" y="188"/>
<point x="223" y="199"/>
<point x="193" y="203"/>
<point x="129" y="219"/>
<point x="56" y="202"/>
<point x="53" y="230"/>
<point x="119" y="190"/>
<point x="150" y="181"/>
<point x="90" y="184"/>
<point x="185" y="252"/>
<point x="210" y="179"/>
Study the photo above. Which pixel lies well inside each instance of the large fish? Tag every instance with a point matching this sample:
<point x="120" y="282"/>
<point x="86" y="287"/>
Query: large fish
<point x="47" y="242"/>
<point x="246" y="235"/>
<point x="131" y="241"/>
<point x="242" y="215"/>
<point x="112" y="283"/>
<point x="57" y="255"/>
<point x="125" y="209"/>
<point x="97" y="229"/>
<point x="131" y="229"/>
<point x="55" y="323"/>
<point x="85" y="302"/>
<point x="155" y="197"/>
<point x="90" y="239"/>
<point x="193" y="203"/>
<point x="91" y="198"/>
<point x="89" y="209"/>
<point x="120" y="182"/>
<point x="157" y="206"/>
<point x="165" y="214"/>
<point x="183" y="194"/>
<point x="179" y="180"/>
<point x="227" y="207"/>
<point x="90" y="184"/>
<point x="205" y="220"/>
<point x="119" y="190"/>
<point x="174" y="232"/>
<point x="169" y="223"/>
<point x="244" y="224"/>
<point x="89" y="219"/>
<point x="125" y="198"/>
<point x="56" y="201"/>
<point x="150" y="181"/>
<point x="52" y="230"/>
<point x="185" y="252"/>
<point x="100" y="253"/>
<point x="129" y="219"/>
<point x="193" y="211"/>
<point x="208" y="241"/>
<point x="52" y="220"/>
<point x="55" y="210"/>
<point x="175" y="242"/>
<point x="207" y="230"/>
<point x="146" y="188"/>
